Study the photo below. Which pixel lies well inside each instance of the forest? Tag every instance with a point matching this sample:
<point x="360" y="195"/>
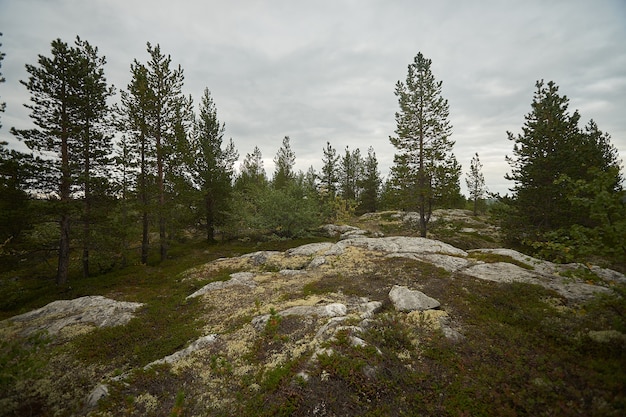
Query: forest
<point x="116" y="178"/>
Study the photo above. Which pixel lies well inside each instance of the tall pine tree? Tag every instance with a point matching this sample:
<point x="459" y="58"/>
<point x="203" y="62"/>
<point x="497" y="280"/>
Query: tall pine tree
<point x="68" y="95"/>
<point x="425" y="171"/>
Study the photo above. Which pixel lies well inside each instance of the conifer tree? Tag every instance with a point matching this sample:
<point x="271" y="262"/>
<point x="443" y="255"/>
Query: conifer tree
<point x="135" y="120"/>
<point x="329" y="174"/>
<point x="2" y="79"/>
<point x="252" y="174"/>
<point x="94" y="142"/>
<point x="425" y="171"/>
<point x="350" y="170"/>
<point x="552" y="147"/>
<point x="284" y="160"/>
<point x="68" y="95"/>
<point x="212" y="165"/>
<point x="475" y="182"/>
<point x="370" y="183"/>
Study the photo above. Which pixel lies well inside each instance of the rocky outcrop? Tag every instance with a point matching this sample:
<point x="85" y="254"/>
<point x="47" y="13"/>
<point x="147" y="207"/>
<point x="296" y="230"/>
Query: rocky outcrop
<point x="93" y="311"/>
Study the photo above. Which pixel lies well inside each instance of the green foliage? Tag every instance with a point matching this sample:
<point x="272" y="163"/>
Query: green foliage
<point x="284" y="160"/>
<point x="489" y="257"/>
<point x="425" y="171"/>
<point x="476" y="183"/>
<point x="567" y="193"/>
<point x="22" y="363"/>
<point x="212" y="165"/>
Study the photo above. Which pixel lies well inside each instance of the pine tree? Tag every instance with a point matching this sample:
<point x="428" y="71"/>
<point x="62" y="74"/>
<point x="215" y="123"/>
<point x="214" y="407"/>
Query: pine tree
<point x="2" y="79"/>
<point x="425" y="169"/>
<point x="476" y="182"/>
<point x="329" y="174"/>
<point x="152" y="110"/>
<point x="350" y="171"/>
<point x="252" y="174"/>
<point x="212" y="164"/>
<point x="165" y="84"/>
<point x="135" y="120"/>
<point x="550" y="148"/>
<point x="68" y="95"/>
<point x="94" y="143"/>
<point x="284" y="160"/>
<point x="369" y="184"/>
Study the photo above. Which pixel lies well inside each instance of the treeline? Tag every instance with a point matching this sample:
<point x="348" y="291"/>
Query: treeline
<point x="109" y="182"/>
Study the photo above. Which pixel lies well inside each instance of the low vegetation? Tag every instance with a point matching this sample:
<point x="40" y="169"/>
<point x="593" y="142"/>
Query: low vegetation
<point x="524" y="349"/>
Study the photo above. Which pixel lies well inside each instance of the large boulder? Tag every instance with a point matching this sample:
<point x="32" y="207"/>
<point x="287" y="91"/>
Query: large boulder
<point x="404" y="299"/>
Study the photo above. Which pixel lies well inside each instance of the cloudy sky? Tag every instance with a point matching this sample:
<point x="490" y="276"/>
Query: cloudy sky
<point x="321" y="70"/>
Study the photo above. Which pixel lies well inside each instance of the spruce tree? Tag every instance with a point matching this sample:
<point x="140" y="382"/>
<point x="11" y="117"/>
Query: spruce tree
<point x="425" y="171"/>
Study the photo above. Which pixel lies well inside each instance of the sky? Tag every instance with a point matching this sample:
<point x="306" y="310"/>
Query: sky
<point x="325" y="71"/>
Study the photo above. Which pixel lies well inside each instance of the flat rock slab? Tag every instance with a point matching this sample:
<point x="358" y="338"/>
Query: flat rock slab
<point x="92" y="310"/>
<point x="397" y="244"/>
<point x="238" y="278"/>
<point x="405" y="299"/>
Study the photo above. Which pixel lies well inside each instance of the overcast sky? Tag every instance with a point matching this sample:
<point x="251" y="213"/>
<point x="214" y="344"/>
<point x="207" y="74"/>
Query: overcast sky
<point x="321" y="71"/>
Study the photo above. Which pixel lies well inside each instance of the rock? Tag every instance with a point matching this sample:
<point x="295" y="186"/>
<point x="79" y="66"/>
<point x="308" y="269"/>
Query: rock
<point x="607" y="336"/>
<point x="260" y="257"/>
<point x="99" y="392"/>
<point x="93" y="310"/>
<point x="334" y="230"/>
<point x="448" y="262"/>
<point x="317" y="262"/>
<point x="404" y="299"/>
<point x="397" y="244"/>
<point x="329" y="310"/>
<point x="198" y="344"/>
<point x="291" y="272"/>
<point x="237" y="278"/>
<point x="309" y="249"/>
<point x="501" y="272"/>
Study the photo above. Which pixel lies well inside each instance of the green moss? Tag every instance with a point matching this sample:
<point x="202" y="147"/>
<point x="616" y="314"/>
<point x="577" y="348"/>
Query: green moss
<point x="489" y="257"/>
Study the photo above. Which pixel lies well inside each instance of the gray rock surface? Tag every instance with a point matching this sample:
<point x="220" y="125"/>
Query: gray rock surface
<point x="405" y="299"/>
<point x="237" y="278"/>
<point x="92" y="310"/>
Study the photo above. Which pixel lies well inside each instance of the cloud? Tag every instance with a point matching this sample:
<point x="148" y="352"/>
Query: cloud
<point x="325" y="71"/>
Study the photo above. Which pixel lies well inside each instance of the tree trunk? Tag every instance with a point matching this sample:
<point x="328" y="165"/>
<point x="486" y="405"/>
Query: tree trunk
<point x="145" y="243"/>
<point x="64" y="250"/>
<point x="210" y="218"/>
<point x="87" y="208"/>
<point x="64" y="196"/>
<point x="161" y="185"/>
